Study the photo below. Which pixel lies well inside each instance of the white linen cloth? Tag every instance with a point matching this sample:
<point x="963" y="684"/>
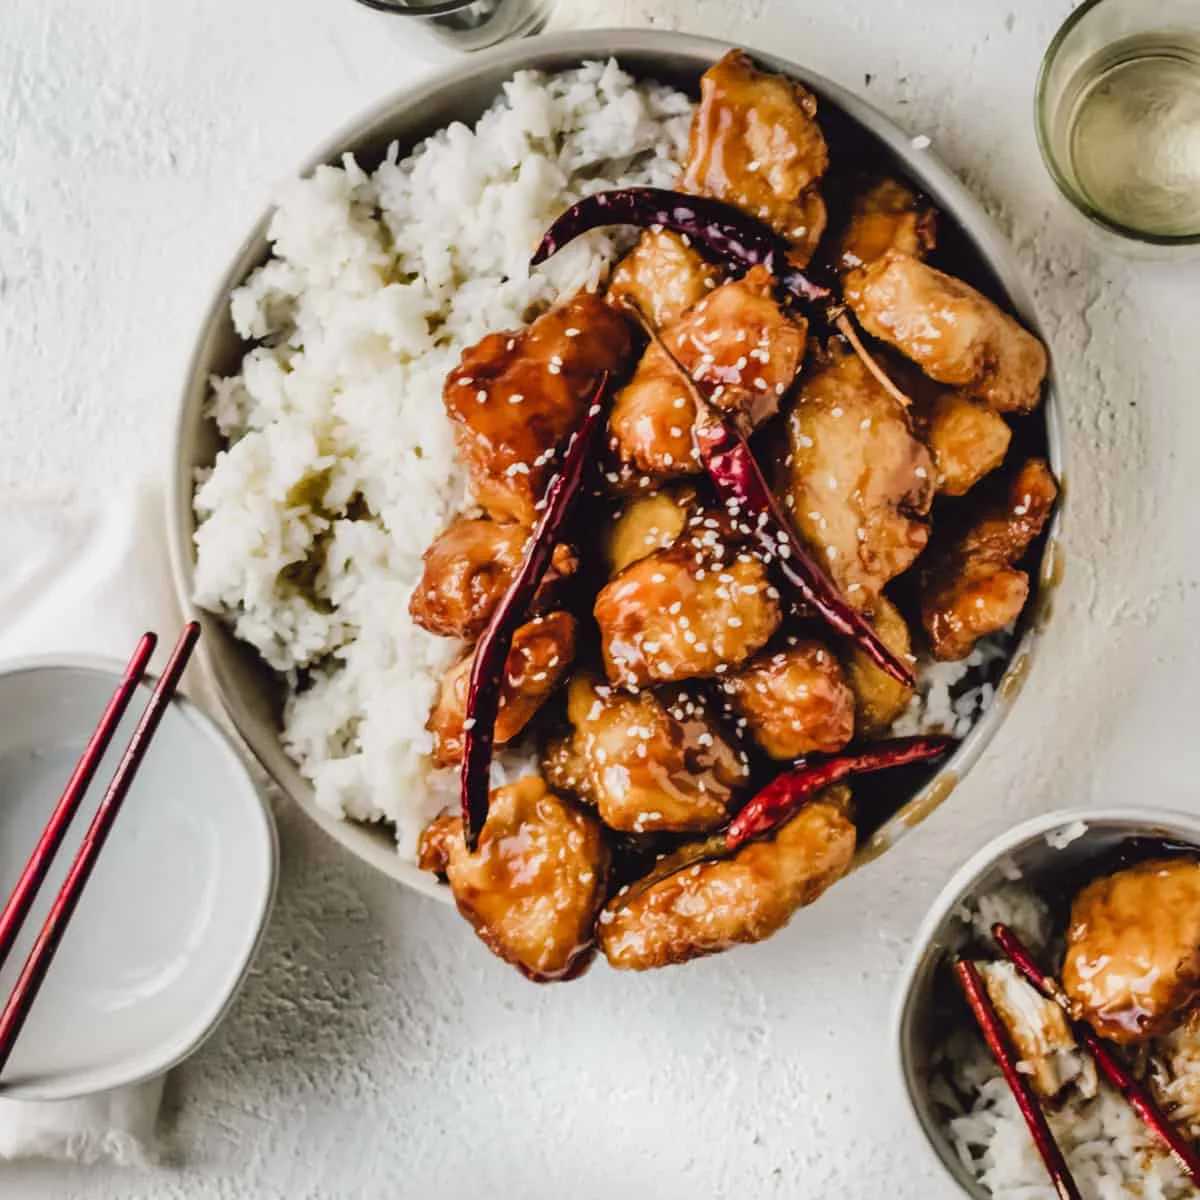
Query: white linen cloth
<point x="75" y="580"/>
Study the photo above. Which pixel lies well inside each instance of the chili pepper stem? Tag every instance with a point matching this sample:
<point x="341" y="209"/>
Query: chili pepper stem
<point x="845" y="327"/>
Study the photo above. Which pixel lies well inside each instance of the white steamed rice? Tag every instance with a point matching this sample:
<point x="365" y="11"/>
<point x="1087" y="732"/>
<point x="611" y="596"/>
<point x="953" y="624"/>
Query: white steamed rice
<point x="340" y="467"/>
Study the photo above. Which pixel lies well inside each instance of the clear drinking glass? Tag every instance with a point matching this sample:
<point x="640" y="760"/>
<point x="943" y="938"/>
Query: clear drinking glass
<point x="1118" y="117"/>
<point x="469" y="24"/>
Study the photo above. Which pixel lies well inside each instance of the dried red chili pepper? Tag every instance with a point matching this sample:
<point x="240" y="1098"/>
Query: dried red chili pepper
<point x="748" y="498"/>
<point x="1106" y="1061"/>
<point x="737" y="476"/>
<point x="726" y="231"/>
<point x="994" y="1033"/>
<point x="776" y="803"/>
<point x="491" y="653"/>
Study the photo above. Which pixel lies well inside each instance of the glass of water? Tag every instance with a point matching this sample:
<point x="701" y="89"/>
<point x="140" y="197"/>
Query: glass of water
<point x="1118" y="117"/>
<point x="469" y="24"/>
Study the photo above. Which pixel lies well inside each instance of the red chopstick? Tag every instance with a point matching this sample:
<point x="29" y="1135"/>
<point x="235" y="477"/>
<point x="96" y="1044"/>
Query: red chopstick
<point x="1139" y="1099"/>
<point x="33" y="973"/>
<point x="996" y="1037"/>
<point x="34" y="875"/>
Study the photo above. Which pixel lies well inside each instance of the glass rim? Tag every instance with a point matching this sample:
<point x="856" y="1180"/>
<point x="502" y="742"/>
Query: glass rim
<point x="1077" y="199"/>
<point x="437" y="8"/>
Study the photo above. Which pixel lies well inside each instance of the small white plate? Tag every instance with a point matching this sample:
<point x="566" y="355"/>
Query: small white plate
<point x="171" y="917"/>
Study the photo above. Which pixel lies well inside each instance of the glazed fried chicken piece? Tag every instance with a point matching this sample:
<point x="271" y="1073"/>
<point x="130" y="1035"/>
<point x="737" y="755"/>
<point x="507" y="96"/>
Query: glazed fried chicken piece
<point x="1039" y="1031"/>
<point x="967" y="438"/>
<point x="953" y="333"/>
<point x="657" y="761"/>
<point x="755" y="143"/>
<point x="880" y="699"/>
<point x="740" y="347"/>
<point x="695" y="609"/>
<point x="715" y="905"/>
<point x="534" y="884"/>
<point x="795" y="700"/>
<point x="469" y="567"/>
<point x="972" y="586"/>
<point x="515" y="397"/>
<point x="1132" y="966"/>
<point x="647" y="523"/>
<point x="662" y="276"/>
<point x="542" y="652"/>
<point x="858" y="482"/>
<point x="886" y="215"/>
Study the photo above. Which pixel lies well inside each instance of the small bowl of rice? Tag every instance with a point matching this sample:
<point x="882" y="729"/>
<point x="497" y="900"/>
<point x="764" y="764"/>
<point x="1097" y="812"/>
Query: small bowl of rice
<point x="1026" y="878"/>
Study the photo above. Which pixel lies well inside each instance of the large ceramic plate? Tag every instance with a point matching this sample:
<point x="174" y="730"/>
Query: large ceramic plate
<point x="250" y="692"/>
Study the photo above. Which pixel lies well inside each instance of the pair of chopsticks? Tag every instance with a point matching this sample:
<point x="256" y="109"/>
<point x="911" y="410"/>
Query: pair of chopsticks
<point x="16" y="910"/>
<point x="1107" y="1063"/>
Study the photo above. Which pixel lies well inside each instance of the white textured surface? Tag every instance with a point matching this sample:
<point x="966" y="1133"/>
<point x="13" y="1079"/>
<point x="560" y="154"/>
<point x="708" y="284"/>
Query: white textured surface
<point x="378" y="1050"/>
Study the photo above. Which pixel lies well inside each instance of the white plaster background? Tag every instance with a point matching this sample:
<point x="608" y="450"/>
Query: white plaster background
<point x="377" y="1050"/>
